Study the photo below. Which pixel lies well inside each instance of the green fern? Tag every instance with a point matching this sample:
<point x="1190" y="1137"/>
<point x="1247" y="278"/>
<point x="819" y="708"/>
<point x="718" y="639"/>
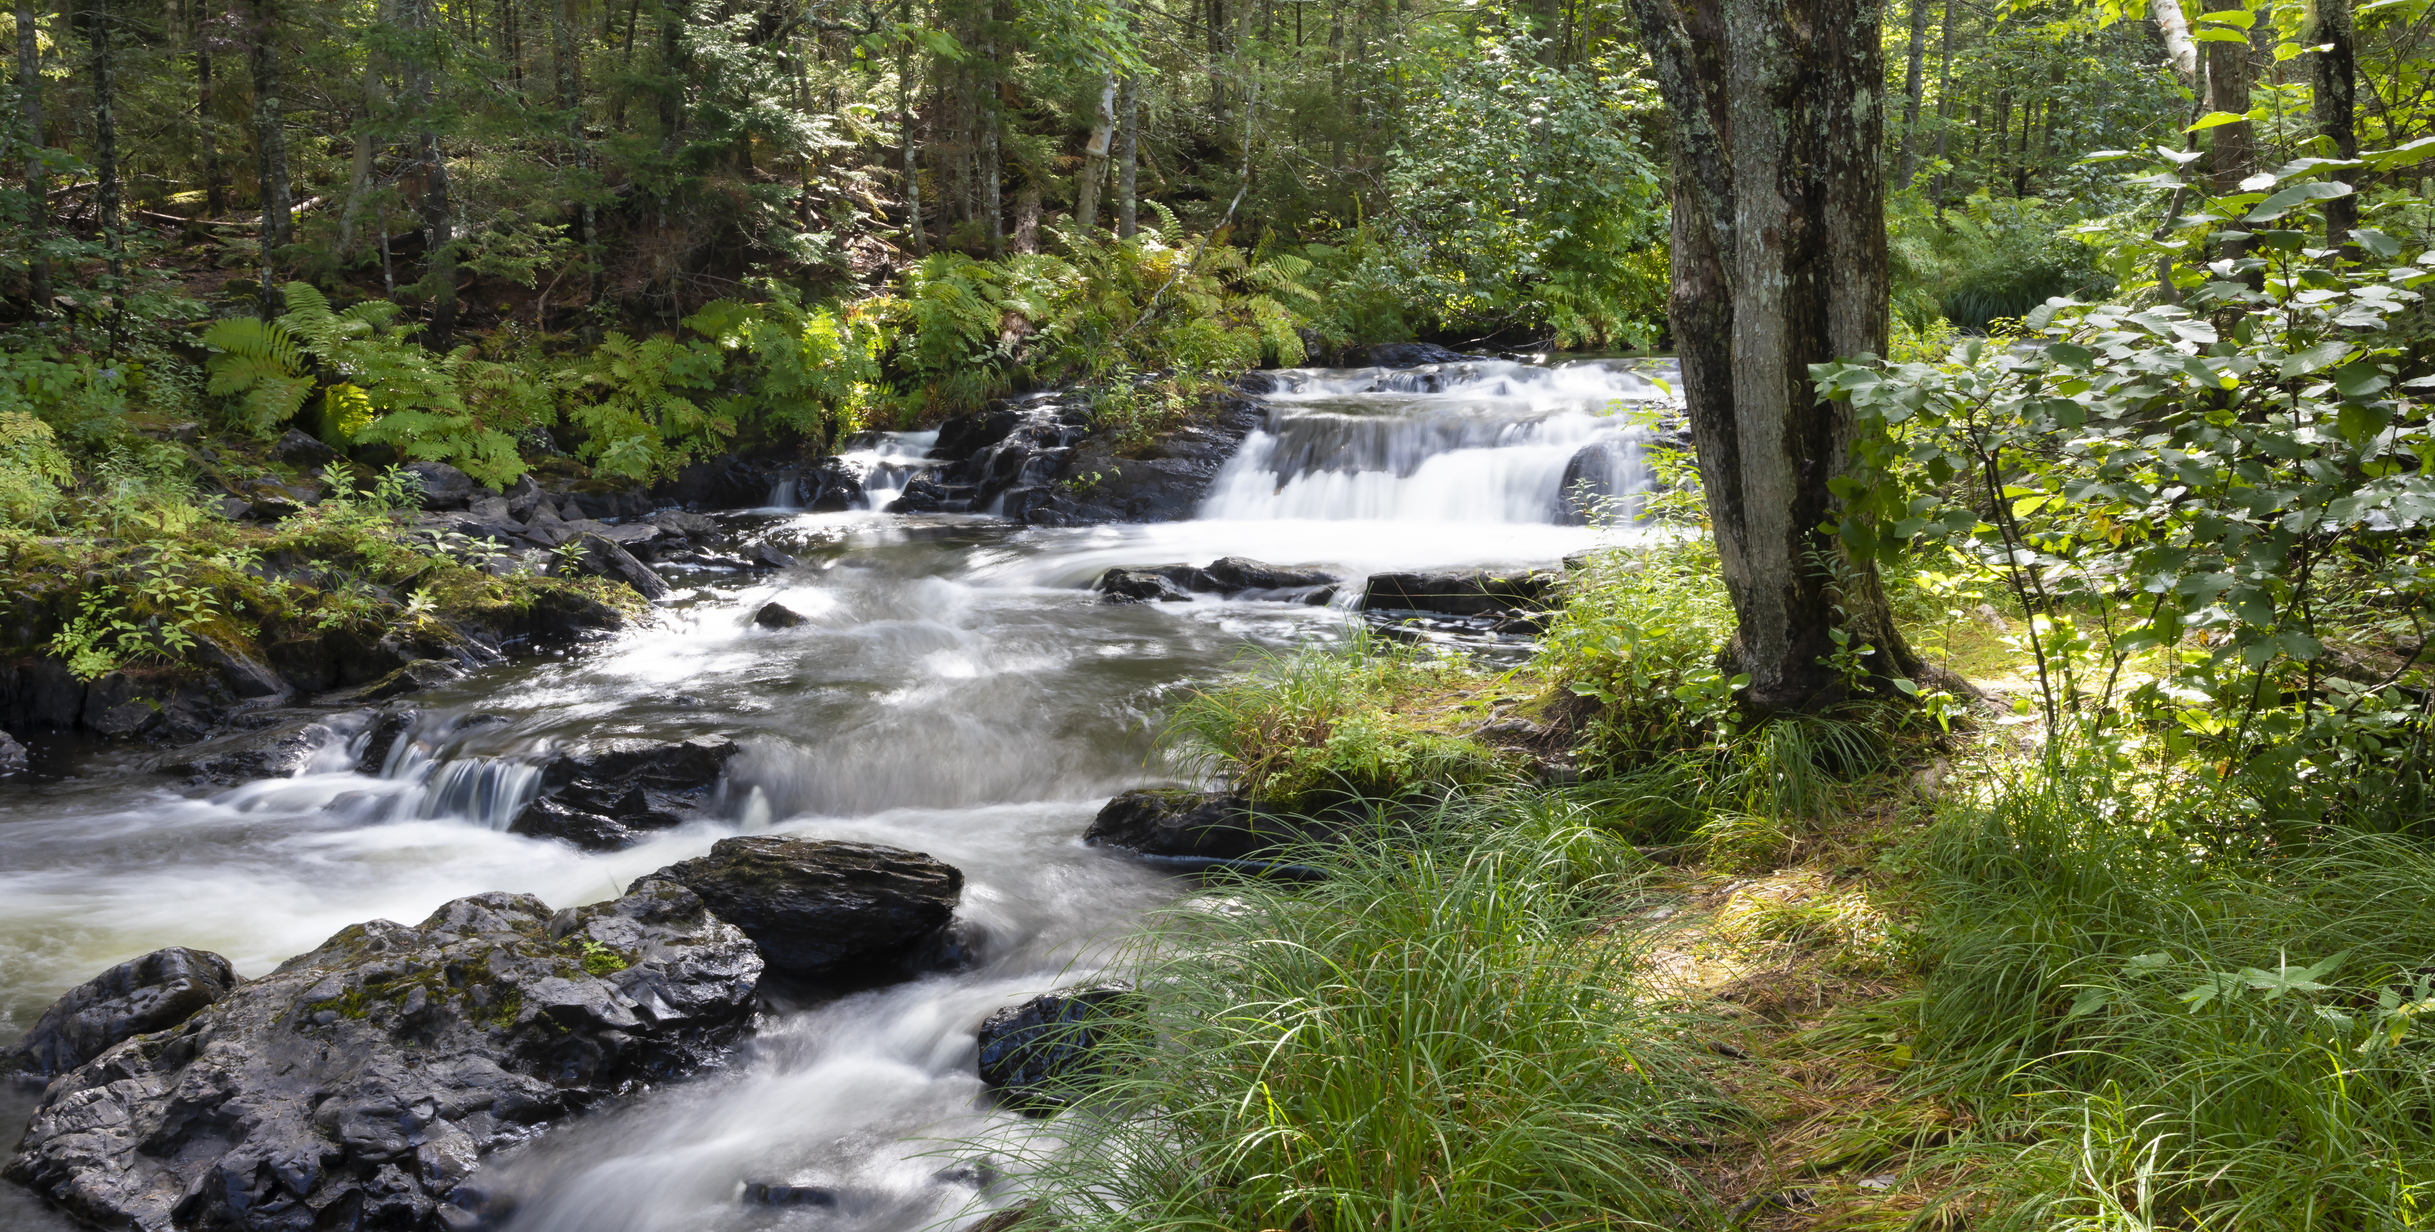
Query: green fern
<point x="261" y="366"/>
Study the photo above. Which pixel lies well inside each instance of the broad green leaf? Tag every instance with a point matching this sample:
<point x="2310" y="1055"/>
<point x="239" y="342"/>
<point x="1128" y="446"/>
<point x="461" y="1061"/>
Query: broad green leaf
<point x="2361" y="380"/>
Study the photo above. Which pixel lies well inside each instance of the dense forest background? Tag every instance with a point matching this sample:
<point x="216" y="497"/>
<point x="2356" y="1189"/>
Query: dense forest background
<point x="932" y="203"/>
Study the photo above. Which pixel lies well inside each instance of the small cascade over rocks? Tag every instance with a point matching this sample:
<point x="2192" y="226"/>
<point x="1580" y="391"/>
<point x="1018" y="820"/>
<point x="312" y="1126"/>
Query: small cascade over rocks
<point x="1477" y="441"/>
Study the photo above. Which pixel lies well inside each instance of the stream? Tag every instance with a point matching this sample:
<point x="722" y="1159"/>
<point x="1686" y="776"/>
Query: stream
<point x="957" y="689"/>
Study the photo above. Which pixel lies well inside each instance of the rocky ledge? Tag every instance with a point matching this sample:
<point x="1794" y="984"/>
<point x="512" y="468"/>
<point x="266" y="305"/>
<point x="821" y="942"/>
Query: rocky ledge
<point x="362" y="1085"/>
<point x="1229" y="576"/>
<point x="604" y="797"/>
<point x="1039" y="1055"/>
<point x="1194" y="829"/>
<point x="829" y="909"/>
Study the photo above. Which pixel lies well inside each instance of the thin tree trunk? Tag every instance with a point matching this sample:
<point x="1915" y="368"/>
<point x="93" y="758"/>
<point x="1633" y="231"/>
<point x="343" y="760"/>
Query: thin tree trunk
<point x="2333" y="90"/>
<point x="1915" y="58"/>
<point x="1779" y="262"/>
<point x="1027" y="217"/>
<point x="569" y="65"/>
<point x="1128" y="158"/>
<point x="1944" y="99"/>
<point x="270" y="144"/>
<point x="37" y="180"/>
<point x="207" y="125"/>
<point x="993" y="206"/>
<point x="1217" y="71"/>
<point x="2232" y="147"/>
<point x="359" y="177"/>
<point x="2174" y="25"/>
<point x="105" y="141"/>
<point x="904" y="121"/>
<point x="1095" y="158"/>
<point x="439" y="249"/>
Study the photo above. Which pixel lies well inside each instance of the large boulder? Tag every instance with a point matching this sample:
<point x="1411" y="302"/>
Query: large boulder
<point x="280" y="750"/>
<point x="1040" y="1054"/>
<point x="602" y="557"/>
<point x="823" y="908"/>
<point x="363" y="1085"/>
<point x="1413" y="355"/>
<point x="13" y="759"/>
<point x="1197" y="828"/>
<point x="1230" y="576"/>
<point x="152" y="993"/>
<point x="443" y="486"/>
<point x="604" y="796"/>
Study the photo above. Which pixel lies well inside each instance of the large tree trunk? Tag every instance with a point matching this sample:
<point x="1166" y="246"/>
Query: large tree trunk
<point x="37" y="182"/>
<point x="207" y="125"/>
<point x="1128" y="159"/>
<point x="2174" y="26"/>
<point x="1095" y="158"/>
<point x="1916" y="58"/>
<point x="2334" y="90"/>
<point x="2232" y="147"/>
<point x="1779" y="256"/>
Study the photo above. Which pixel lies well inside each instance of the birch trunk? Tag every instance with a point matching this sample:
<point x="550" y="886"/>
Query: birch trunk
<point x="37" y="180"/>
<point x="1095" y="158"/>
<point x="1779" y="262"/>
<point x="1128" y="159"/>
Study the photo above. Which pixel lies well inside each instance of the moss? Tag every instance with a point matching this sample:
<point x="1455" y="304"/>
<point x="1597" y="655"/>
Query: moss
<point x="596" y="958"/>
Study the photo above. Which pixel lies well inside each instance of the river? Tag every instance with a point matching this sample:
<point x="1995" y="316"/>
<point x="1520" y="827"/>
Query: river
<point x="956" y="690"/>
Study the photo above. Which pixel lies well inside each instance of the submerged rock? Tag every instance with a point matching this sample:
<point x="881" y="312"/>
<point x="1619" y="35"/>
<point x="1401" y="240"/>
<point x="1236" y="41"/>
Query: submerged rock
<point x="777" y="616"/>
<point x="600" y="798"/>
<point x="280" y="750"/>
<point x="1163" y="584"/>
<point x="824" y="908"/>
<point x="13" y="758"/>
<point x="363" y="1085"/>
<point x="1038" y="1052"/>
<point x="152" y="993"/>
<point x="1458" y="594"/>
<point x="1230" y="576"/>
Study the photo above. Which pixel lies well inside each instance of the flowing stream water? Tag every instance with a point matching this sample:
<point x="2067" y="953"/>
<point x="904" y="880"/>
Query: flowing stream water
<point x="956" y="690"/>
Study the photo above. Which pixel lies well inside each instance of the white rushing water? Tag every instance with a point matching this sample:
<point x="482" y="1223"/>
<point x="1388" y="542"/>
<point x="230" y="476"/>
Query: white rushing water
<point x="955" y="690"/>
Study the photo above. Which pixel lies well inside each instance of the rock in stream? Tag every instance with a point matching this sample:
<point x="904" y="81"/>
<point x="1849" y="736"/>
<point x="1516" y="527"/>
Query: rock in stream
<point x="363" y="1085"/>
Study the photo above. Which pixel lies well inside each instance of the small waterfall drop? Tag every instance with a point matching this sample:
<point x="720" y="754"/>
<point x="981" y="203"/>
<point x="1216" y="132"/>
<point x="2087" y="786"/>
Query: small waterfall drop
<point x="885" y="461"/>
<point x="1485" y="441"/>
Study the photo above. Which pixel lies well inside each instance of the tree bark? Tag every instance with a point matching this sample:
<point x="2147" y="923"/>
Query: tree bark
<point x="439" y="248"/>
<point x="105" y="144"/>
<point x="1128" y="158"/>
<point x="1095" y="158"/>
<point x="207" y="125"/>
<point x="2232" y="147"/>
<point x="37" y="179"/>
<point x="1915" y="57"/>
<point x="2334" y="84"/>
<point x="1027" y="217"/>
<point x="569" y="66"/>
<point x="2179" y="47"/>
<point x="904" y="124"/>
<point x="359" y="175"/>
<point x="1944" y="99"/>
<point x="270" y="145"/>
<point x="1779" y="262"/>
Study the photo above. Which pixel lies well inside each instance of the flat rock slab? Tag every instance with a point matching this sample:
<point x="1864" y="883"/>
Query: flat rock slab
<point x="1458" y="594"/>
<point x="1197" y="826"/>
<point x="1230" y="576"/>
<point x="603" y="797"/>
<point x="363" y="1085"/>
<point x="152" y="993"/>
<point x="824" y="908"/>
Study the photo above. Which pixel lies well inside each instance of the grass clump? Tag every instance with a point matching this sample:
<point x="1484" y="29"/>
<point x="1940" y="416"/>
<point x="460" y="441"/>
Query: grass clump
<point x="1436" y="1036"/>
<point x="1324" y="725"/>
<point x="2155" y="1034"/>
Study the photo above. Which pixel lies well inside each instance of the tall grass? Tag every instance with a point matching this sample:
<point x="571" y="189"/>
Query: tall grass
<point x="2152" y="1037"/>
<point x="1437" y="1037"/>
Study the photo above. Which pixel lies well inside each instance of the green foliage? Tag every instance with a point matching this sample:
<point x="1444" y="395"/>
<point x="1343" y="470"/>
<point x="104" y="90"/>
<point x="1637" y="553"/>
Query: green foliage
<point x="1990" y="260"/>
<point x="2233" y="473"/>
<point x="1430" y="1037"/>
<point x="632" y="403"/>
<point x="1638" y="635"/>
<point x="32" y="468"/>
<point x="1320" y="725"/>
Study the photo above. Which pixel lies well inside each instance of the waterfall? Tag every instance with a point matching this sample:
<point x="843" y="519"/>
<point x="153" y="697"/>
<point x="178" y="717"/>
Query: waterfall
<point x="1488" y="441"/>
<point x="885" y="461"/>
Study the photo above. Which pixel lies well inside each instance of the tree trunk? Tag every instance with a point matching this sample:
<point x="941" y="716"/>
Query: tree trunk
<point x="2232" y="147"/>
<point x="2174" y="25"/>
<point x="1915" y="57"/>
<point x="105" y="144"/>
<point x="569" y="66"/>
<point x="37" y="181"/>
<point x="439" y="248"/>
<point x="993" y="206"/>
<point x="207" y="125"/>
<point x="2334" y="91"/>
<point x="359" y="175"/>
<point x="1779" y="262"/>
<point x="904" y="123"/>
<point x="1027" y="217"/>
<point x="1095" y="158"/>
<point x="1944" y="99"/>
<point x="270" y="145"/>
<point x="1128" y="158"/>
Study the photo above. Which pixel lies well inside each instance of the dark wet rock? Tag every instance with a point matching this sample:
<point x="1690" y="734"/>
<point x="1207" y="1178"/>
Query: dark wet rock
<point x="602" y="557"/>
<point x="777" y="1193"/>
<point x="233" y="508"/>
<point x="769" y="557"/>
<point x="1593" y="478"/>
<point x="726" y="482"/>
<point x="1458" y="594"/>
<point x="414" y="677"/>
<point x="522" y="497"/>
<point x="1164" y="482"/>
<point x="1040" y="1053"/>
<point x="364" y="1085"/>
<point x="120" y="704"/>
<point x="245" y="677"/>
<point x="39" y="694"/>
<point x="152" y="993"/>
<point x="829" y="486"/>
<point x="1413" y="355"/>
<point x="389" y="726"/>
<point x="13" y="758"/>
<point x="777" y="616"/>
<point x="296" y="448"/>
<point x="1164" y="584"/>
<point x="603" y="798"/>
<point x="921" y="494"/>
<point x="825" y="908"/>
<point x="443" y="486"/>
<point x="1229" y="576"/>
<point x="1196" y="827"/>
<point x="277" y="751"/>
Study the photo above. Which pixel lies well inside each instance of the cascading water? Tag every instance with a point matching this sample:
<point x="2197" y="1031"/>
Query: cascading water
<point x="954" y="690"/>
